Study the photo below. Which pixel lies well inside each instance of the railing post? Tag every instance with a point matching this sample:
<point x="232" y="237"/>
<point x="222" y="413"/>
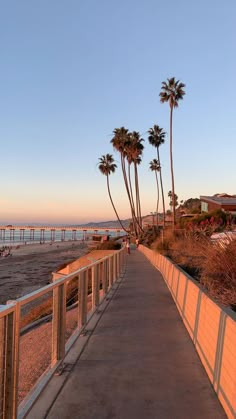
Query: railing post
<point x="101" y="274"/>
<point x="58" y="323"/>
<point x="104" y="278"/>
<point x="123" y="259"/>
<point x="16" y="358"/>
<point x="110" y="272"/>
<point x="2" y="363"/>
<point x="118" y="265"/>
<point x="8" y="358"/>
<point x="83" y="298"/>
<point x="114" y="268"/>
<point x="95" y="287"/>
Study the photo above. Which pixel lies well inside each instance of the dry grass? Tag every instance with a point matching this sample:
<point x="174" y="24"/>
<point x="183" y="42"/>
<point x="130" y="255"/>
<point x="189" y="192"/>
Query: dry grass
<point x="219" y="272"/>
<point x="112" y="244"/>
<point x="212" y="264"/>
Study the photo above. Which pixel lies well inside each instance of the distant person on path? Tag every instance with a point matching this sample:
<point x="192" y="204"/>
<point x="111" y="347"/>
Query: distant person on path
<point x="128" y="247"/>
<point x="137" y="242"/>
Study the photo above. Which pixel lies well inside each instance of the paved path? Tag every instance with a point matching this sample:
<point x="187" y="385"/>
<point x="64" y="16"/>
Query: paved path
<point x="139" y="362"/>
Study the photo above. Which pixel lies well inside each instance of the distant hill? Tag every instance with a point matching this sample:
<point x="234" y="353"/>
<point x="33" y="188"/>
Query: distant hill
<point x="147" y="219"/>
<point x="106" y="224"/>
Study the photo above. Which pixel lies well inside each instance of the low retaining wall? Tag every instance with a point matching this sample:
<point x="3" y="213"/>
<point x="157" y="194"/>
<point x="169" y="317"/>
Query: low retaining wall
<point x="211" y="328"/>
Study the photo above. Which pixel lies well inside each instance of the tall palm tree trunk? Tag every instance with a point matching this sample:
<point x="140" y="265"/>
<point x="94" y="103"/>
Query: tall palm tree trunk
<point x="129" y="194"/>
<point x="109" y="193"/>
<point x="139" y="215"/>
<point x="130" y="187"/>
<point x="162" y="192"/>
<point x="171" y="166"/>
<point x="158" y="194"/>
<point x="135" y="218"/>
<point x="136" y="191"/>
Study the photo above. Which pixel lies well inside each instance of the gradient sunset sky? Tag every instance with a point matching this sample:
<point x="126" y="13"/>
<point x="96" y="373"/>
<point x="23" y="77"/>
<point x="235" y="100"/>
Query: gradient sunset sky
<point x="72" y="71"/>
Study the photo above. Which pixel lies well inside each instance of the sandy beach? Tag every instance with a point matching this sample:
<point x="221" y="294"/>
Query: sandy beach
<point x="30" y="267"/>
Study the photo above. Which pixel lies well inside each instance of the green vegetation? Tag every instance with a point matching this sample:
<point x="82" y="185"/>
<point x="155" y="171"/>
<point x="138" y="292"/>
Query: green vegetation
<point x="170" y="195"/>
<point x="209" y="222"/>
<point x="191" y="206"/>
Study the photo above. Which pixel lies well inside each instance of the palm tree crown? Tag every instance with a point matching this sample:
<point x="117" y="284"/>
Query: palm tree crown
<point x="172" y="92"/>
<point x="120" y="139"/>
<point x="107" y="165"/>
<point x="155" y="165"/>
<point x="156" y="136"/>
<point x="134" y="147"/>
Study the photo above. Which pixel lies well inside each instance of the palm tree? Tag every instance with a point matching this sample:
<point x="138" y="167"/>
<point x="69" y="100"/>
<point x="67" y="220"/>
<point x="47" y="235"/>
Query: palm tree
<point x="172" y="91"/>
<point x="106" y="167"/>
<point x="173" y="204"/>
<point x="134" y="154"/>
<point x="124" y="143"/>
<point x="155" y="167"/>
<point x="156" y="138"/>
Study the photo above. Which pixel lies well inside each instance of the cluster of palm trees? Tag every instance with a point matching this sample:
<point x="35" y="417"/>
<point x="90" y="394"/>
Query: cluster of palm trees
<point x="129" y="146"/>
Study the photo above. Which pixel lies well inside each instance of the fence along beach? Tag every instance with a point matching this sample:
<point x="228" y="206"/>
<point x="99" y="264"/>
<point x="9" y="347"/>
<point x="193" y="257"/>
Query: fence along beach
<point x="30" y="267"/>
<point x="32" y="253"/>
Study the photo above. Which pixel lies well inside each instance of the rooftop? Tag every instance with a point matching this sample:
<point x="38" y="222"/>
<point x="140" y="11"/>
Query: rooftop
<point x="220" y="199"/>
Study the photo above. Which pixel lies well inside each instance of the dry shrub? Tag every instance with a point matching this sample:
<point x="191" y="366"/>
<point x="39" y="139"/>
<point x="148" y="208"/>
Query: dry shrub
<point x="109" y="245"/>
<point x="213" y="264"/>
<point x="164" y="242"/>
<point x="219" y="272"/>
<point x="188" y="251"/>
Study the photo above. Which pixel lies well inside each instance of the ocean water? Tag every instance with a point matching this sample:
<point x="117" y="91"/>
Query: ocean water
<point x="17" y="237"/>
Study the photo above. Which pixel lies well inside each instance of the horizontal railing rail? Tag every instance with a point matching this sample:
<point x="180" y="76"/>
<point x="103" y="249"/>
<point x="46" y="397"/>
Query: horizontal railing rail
<point x="38" y="329"/>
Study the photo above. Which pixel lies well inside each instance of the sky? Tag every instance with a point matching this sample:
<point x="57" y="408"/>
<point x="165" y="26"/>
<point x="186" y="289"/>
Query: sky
<point x="72" y="71"/>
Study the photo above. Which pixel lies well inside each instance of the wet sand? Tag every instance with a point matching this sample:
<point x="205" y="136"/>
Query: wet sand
<point x="30" y="267"/>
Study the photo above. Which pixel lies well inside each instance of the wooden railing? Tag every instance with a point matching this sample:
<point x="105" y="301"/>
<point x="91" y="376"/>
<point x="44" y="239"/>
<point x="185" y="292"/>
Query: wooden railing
<point x="37" y="330"/>
<point x="212" y="328"/>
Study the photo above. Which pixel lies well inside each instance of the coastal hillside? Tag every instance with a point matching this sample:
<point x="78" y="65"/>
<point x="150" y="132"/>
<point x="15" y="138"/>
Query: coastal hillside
<point x="105" y="224"/>
<point x="147" y="219"/>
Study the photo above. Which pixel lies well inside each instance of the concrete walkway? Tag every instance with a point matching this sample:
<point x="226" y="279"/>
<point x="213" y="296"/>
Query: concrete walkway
<point x="139" y="361"/>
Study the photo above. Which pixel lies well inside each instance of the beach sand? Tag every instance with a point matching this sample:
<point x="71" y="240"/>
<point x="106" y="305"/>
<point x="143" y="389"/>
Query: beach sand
<point x="30" y="267"/>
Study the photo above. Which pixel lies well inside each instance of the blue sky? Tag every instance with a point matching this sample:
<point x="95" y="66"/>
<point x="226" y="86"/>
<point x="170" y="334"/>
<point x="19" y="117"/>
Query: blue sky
<point x="72" y="71"/>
